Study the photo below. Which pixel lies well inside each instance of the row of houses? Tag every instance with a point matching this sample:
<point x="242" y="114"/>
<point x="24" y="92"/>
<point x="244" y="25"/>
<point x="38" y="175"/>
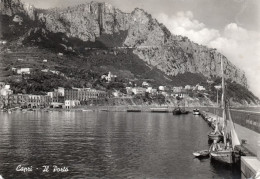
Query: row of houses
<point x="164" y="90"/>
<point x="60" y="97"/>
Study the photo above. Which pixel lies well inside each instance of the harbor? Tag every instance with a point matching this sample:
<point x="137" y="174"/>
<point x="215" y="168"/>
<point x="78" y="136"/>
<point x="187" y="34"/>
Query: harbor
<point x="176" y="134"/>
<point x="101" y="144"/>
<point x="129" y="89"/>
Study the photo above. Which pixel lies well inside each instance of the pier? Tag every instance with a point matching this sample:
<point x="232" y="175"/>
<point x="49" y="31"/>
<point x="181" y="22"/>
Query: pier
<point x="247" y="125"/>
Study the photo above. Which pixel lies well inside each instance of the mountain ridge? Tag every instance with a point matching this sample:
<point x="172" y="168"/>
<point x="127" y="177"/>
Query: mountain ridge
<point x="151" y="41"/>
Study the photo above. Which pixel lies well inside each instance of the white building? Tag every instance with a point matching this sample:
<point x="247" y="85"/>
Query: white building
<point x="61" y="91"/>
<point x="129" y="90"/>
<point x="177" y="89"/>
<point x="187" y="87"/>
<point x="139" y="90"/>
<point x="110" y="77"/>
<point x="5" y="91"/>
<point x="3" y="42"/>
<point x="71" y="103"/>
<point x="161" y="88"/>
<point x="151" y="90"/>
<point x="200" y="88"/>
<point x="23" y="71"/>
<point x="145" y="84"/>
<point x="18" y="19"/>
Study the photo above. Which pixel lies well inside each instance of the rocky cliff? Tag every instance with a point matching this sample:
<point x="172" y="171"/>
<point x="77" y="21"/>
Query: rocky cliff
<point x="16" y="7"/>
<point x="150" y="40"/>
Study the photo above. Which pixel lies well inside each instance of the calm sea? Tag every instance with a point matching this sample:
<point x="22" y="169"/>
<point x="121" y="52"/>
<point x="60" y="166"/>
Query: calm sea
<point x="106" y="145"/>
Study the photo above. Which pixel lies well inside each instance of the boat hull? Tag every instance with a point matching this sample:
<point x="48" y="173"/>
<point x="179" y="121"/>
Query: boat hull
<point x="201" y="154"/>
<point x="133" y="110"/>
<point x="176" y="112"/>
<point x="159" y="110"/>
<point x="222" y="156"/>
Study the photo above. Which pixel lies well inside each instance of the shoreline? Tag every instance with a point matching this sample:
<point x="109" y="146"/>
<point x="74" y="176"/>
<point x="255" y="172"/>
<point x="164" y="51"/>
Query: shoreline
<point x="132" y="108"/>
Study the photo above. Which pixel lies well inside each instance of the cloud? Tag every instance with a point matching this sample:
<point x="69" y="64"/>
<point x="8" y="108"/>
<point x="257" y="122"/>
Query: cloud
<point x="183" y="23"/>
<point x="239" y="45"/>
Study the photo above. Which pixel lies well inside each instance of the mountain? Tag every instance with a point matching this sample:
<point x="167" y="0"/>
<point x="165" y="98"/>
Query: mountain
<point x="101" y="37"/>
<point x="152" y="41"/>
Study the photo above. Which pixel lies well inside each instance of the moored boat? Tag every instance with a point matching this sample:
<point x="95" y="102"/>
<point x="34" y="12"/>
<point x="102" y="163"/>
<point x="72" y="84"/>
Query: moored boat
<point x="225" y="155"/>
<point x="160" y="110"/>
<point x="133" y="110"/>
<point x="196" y="111"/>
<point x="201" y="154"/>
<point x="176" y="111"/>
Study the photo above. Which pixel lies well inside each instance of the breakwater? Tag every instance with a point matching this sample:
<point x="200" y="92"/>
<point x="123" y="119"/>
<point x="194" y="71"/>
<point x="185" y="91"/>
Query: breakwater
<point x="247" y="119"/>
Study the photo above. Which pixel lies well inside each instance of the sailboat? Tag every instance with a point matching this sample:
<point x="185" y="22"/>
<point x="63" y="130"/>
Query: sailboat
<point x="223" y="152"/>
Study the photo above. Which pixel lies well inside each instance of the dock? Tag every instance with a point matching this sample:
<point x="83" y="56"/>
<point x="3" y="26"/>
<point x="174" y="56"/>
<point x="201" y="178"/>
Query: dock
<point x="247" y="125"/>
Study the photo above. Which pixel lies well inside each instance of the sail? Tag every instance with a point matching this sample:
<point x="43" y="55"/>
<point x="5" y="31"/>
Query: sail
<point x="234" y="137"/>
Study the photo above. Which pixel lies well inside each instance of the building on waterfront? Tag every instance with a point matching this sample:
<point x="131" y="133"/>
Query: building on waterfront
<point x="71" y="103"/>
<point x="57" y="97"/>
<point x="26" y="100"/>
<point x="35" y="101"/>
<point x="84" y="94"/>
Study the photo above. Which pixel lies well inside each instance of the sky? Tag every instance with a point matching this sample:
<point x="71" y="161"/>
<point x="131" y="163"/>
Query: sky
<point x="230" y="26"/>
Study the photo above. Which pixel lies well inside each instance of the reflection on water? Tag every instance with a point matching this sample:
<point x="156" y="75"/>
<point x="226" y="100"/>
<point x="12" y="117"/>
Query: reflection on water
<point x="106" y="144"/>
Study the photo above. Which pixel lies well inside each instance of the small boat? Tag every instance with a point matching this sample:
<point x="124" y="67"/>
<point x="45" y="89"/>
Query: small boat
<point x="184" y="112"/>
<point x="133" y="110"/>
<point x="196" y="111"/>
<point x="87" y="110"/>
<point x="177" y="111"/>
<point x="160" y="110"/>
<point x="201" y="154"/>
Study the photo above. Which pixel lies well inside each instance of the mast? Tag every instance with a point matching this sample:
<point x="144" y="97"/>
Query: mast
<point x="223" y="101"/>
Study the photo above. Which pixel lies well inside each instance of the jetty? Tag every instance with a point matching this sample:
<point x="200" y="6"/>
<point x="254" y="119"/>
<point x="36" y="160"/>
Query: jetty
<point x="247" y="125"/>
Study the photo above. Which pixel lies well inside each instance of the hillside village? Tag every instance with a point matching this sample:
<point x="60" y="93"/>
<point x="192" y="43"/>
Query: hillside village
<point x="69" y="98"/>
<point x="109" y="88"/>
